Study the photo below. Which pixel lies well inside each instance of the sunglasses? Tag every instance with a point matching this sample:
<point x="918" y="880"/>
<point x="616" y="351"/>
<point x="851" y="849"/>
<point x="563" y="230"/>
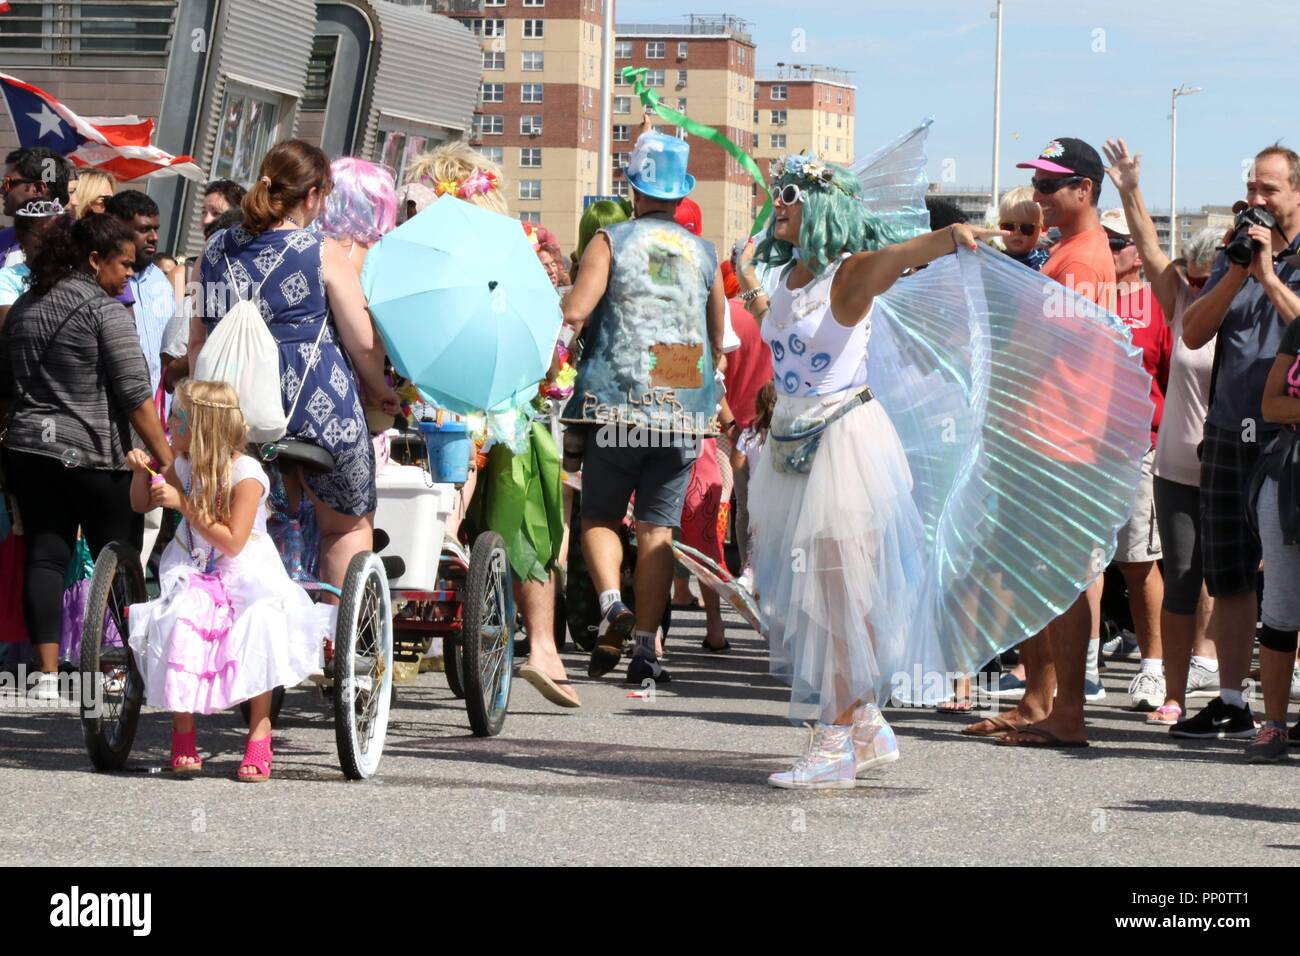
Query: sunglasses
<point x="1118" y="243"/>
<point x="789" y="194"/>
<point x="1049" y="186"/>
<point x="11" y="181"/>
<point x="1024" y="228"/>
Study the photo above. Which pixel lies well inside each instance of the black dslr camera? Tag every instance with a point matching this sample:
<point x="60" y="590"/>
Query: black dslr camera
<point x="1241" y="248"/>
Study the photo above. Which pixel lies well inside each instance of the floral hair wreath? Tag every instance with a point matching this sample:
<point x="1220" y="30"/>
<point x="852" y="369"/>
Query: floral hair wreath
<point x="476" y="184"/>
<point x="809" y="170"/>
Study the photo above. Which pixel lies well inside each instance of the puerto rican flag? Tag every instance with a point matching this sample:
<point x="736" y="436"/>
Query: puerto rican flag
<point x="119" y="145"/>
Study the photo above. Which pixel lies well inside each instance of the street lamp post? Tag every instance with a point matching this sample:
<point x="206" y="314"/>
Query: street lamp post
<point x="1183" y="90"/>
<point x="997" y="105"/>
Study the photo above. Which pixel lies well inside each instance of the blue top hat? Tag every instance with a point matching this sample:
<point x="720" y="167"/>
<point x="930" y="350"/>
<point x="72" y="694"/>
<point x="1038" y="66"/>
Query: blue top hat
<point x="657" y="167"/>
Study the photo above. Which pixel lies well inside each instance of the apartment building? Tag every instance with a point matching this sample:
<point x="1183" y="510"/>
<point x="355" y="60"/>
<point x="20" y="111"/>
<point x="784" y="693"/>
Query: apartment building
<point x="705" y="70"/>
<point x="539" y="103"/>
<point x="804" y="108"/>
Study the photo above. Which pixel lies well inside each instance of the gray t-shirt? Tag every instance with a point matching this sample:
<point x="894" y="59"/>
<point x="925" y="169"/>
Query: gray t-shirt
<point x="1247" y="346"/>
<point x="80" y="382"/>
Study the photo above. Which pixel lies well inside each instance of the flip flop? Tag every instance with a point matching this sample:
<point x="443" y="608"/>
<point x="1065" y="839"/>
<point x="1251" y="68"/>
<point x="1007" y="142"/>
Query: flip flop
<point x="1041" y="738"/>
<point x="1004" y="727"/>
<point x="549" y="688"/>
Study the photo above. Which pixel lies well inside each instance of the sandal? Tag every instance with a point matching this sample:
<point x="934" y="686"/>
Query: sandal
<point x="183" y="747"/>
<point x="958" y="705"/>
<point x="257" y="755"/>
<point x="1168" y="714"/>
<point x="1000" y="726"/>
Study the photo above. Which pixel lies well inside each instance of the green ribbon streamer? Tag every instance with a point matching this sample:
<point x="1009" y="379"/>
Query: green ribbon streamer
<point x="650" y="101"/>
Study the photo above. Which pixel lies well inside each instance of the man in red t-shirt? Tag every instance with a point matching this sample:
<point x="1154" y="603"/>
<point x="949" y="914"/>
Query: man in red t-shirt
<point x="1139" y="548"/>
<point x="1067" y="181"/>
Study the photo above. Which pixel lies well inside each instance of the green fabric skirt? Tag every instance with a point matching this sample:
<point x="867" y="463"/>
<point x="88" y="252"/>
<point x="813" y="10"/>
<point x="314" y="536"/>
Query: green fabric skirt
<point x="520" y="498"/>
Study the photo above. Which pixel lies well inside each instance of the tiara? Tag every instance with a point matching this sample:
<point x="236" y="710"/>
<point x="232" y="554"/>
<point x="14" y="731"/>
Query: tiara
<point x="812" y="171"/>
<point x="476" y="184"/>
<point x="207" y="404"/>
<point x="41" y="209"/>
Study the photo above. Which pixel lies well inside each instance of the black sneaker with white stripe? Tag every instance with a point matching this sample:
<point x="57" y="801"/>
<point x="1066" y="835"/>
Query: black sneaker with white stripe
<point x="1217" y="721"/>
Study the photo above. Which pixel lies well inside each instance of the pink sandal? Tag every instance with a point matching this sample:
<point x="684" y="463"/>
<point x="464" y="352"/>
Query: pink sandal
<point x="257" y="755"/>
<point x="182" y="747"/>
<point x="1166" y="715"/>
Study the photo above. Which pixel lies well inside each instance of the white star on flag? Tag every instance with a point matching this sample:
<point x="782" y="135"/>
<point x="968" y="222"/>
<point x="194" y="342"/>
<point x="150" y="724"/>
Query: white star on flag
<point x="49" y="120"/>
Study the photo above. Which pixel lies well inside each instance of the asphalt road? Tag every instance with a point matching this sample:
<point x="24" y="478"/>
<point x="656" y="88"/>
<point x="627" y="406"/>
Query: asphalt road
<point x="679" y="779"/>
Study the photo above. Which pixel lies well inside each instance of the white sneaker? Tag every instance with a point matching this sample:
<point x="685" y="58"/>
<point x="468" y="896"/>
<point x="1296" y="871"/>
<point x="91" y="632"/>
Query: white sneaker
<point x="1205" y="683"/>
<point x="1295" y="682"/>
<point x="46" y="688"/>
<point x="874" y="743"/>
<point x="829" y="763"/>
<point x="1093" y="691"/>
<point x="1147" y="690"/>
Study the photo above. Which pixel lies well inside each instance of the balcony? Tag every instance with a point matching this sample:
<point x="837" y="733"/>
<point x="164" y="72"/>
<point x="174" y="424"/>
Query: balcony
<point x="696" y="25"/>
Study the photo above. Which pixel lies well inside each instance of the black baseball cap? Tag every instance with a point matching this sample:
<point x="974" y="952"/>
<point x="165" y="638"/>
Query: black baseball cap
<point x="1066" y="156"/>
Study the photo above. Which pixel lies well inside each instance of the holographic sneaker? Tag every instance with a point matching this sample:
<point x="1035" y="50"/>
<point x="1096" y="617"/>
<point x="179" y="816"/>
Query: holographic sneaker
<point x="829" y="763"/>
<point x="874" y="743"/>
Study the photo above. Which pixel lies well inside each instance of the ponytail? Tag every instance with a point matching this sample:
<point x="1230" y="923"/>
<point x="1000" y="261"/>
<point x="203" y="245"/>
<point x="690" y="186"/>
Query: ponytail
<point x="68" y="245"/>
<point x="289" y="172"/>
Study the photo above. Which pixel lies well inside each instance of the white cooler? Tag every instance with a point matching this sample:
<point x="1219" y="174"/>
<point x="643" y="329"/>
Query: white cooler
<point x="413" y="512"/>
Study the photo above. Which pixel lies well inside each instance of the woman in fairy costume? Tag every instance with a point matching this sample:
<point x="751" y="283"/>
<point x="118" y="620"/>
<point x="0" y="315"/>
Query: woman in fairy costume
<point x="840" y="539"/>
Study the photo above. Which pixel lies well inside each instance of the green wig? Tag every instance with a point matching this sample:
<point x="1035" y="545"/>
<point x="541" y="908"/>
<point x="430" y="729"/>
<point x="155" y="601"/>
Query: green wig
<point x="835" y="219"/>
<point x="601" y="213"/>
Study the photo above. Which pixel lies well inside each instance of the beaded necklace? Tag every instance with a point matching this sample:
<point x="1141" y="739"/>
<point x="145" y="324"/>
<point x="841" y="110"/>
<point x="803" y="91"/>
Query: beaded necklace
<point x="205" y="559"/>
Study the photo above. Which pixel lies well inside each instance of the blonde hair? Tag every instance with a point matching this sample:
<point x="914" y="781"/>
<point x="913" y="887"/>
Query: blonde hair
<point x="1020" y="202"/>
<point x="218" y="432"/>
<point x="91" y="186"/>
<point x="457" y="162"/>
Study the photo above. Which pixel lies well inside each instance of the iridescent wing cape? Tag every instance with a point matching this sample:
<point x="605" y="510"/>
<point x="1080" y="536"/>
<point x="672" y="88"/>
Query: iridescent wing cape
<point x="1025" y="413"/>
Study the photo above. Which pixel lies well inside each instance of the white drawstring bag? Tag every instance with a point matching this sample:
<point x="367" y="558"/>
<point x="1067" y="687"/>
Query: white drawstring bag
<point x="242" y="352"/>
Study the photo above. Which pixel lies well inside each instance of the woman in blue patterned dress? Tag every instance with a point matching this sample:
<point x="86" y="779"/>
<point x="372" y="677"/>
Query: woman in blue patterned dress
<point x="299" y="280"/>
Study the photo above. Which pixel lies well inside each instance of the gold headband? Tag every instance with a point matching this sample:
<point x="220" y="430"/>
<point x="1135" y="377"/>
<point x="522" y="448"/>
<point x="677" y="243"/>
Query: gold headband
<point x="206" y="404"/>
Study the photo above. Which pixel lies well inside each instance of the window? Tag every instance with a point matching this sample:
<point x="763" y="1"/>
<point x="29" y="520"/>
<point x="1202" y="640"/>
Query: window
<point x="839" y="120"/>
<point x="681" y="78"/>
<point x="530" y="189"/>
<point x="531" y="92"/>
<point x="494" y="3"/>
<point x="681" y="49"/>
<point x="320" y="70"/>
<point x="530" y="125"/>
<point x="778" y="117"/>
<point x="741" y="55"/>
<point x="495" y="153"/>
<point x="588" y="136"/>
<point x="622" y="189"/>
<point x="656" y="50"/>
<point x="533" y="29"/>
<point x="621" y="134"/>
<point x="88" y="33"/>
<point x="494" y="60"/>
<point x="681" y="104"/>
<point x="492" y="92"/>
<point x="755" y="117"/>
<point x="622" y="104"/>
<point x="654" y="77"/>
<point x="399" y="148"/>
<point x="780" y="92"/>
<point x="620" y="162"/>
<point x="623" y="50"/>
<point x="591" y="98"/>
<point x="248" y="122"/>
<point x="534" y="60"/>
<point x="618" y="79"/>
<point x="530" y="157"/>
<point x="533" y="218"/>
<point x="534" y="3"/>
<point x="778" y="140"/>
<point x="839" y="97"/>
<point x="491" y="125"/>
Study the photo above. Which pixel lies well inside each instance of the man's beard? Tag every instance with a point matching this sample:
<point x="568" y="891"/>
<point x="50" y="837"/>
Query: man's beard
<point x="142" y="263"/>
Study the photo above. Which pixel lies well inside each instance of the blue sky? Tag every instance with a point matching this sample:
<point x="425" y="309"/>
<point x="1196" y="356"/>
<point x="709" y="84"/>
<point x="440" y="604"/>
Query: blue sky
<point x="1094" y="70"/>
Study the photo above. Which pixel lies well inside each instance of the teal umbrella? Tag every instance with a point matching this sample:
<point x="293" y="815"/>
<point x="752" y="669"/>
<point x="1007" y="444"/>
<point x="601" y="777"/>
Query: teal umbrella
<point x="464" y="306"/>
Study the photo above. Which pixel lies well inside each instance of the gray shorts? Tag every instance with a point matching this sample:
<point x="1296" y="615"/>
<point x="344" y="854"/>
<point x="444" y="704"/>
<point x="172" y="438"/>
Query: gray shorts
<point x="1139" y="539"/>
<point x="658" y="476"/>
<point x="1281" y="608"/>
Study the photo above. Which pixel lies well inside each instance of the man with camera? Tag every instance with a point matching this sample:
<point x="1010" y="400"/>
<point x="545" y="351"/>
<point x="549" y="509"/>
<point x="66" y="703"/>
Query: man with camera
<point x="1250" y="298"/>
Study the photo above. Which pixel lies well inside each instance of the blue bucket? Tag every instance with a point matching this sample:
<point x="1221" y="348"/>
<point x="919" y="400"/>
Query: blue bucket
<point x="450" y="447"/>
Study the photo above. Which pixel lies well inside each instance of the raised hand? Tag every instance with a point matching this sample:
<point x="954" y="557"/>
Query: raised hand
<point x="1125" y="169"/>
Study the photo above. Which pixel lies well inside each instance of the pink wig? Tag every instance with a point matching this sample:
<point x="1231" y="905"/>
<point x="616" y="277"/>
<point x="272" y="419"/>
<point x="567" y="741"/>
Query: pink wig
<point x="363" y="204"/>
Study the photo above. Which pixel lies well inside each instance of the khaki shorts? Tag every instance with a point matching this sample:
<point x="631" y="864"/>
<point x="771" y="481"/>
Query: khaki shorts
<point x="1139" y="539"/>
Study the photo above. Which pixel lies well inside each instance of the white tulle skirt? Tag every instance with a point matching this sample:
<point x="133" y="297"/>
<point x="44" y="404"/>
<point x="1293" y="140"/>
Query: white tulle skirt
<point x="839" y="567"/>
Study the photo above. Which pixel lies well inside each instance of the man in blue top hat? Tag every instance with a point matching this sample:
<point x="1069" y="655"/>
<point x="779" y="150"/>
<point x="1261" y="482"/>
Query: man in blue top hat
<point x="653" y="297"/>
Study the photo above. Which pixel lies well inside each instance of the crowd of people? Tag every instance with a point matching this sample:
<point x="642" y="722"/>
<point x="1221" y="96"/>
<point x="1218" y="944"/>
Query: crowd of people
<point x="717" y="398"/>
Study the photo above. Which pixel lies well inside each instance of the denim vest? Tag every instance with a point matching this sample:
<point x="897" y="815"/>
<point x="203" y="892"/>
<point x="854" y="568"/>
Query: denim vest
<point x="647" y="360"/>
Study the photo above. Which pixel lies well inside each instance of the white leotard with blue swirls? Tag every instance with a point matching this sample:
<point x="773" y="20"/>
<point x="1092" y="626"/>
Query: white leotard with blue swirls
<point x="812" y="354"/>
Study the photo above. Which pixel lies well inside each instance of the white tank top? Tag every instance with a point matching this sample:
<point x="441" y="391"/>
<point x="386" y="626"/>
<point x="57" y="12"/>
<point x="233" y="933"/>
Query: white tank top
<point x="812" y="354"/>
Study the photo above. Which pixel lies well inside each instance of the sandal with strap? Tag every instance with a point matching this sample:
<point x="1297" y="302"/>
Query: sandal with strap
<point x="257" y="755"/>
<point x="183" y="747"/>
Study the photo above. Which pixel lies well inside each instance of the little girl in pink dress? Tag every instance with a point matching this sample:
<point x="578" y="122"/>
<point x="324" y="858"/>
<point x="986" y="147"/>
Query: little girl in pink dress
<point x="229" y="625"/>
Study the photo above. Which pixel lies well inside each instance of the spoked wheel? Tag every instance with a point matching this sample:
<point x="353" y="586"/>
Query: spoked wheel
<point x="112" y="689"/>
<point x="452" y="660"/>
<point x="487" y="642"/>
<point x="363" y="667"/>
